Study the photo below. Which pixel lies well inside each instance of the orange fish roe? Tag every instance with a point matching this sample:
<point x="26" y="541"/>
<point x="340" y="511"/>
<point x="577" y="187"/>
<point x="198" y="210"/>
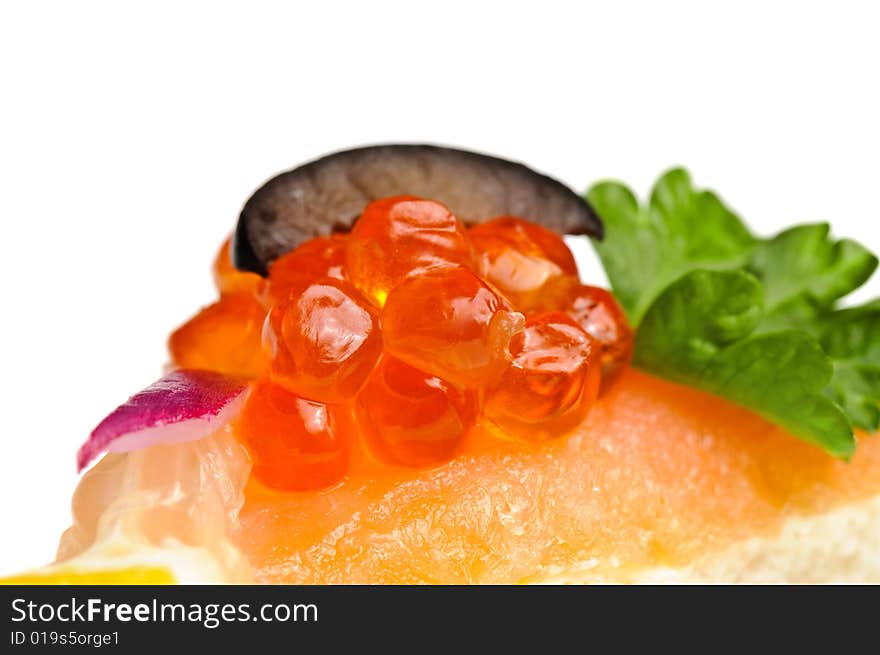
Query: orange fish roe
<point x="600" y="315"/>
<point x="229" y="279"/>
<point x="223" y="337"/>
<point x="412" y="418"/>
<point x="322" y="341"/>
<point x="519" y="257"/>
<point x="402" y="236"/>
<point x="295" y="444"/>
<point x="399" y="338"/>
<point x="551" y="383"/>
<point x="314" y="259"/>
<point x="451" y="324"/>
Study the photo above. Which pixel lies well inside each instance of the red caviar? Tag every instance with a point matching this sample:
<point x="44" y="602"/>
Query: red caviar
<point x="312" y="260"/>
<point x="451" y="324"/>
<point x="322" y="341"/>
<point x="406" y="333"/>
<point x="229" y="279"/>
<point x="223" y="337"/>
<point x="295" y="444"/>
<point x="519" y="257"/>
<point x="413" y="418"/>
<point x="399" y="237"/>
<point x="551" y="383"/>
<point x="600" y="315"/>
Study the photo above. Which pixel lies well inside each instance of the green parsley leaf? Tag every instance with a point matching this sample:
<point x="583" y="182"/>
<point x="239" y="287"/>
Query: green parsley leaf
<point x="804" y="271"/>
<point x="647" y="248"/>
<point x="851" y="337"/>
<point x="707" y="327"/>
<point x="699" y="332"/>
<point x="693" y="319"/>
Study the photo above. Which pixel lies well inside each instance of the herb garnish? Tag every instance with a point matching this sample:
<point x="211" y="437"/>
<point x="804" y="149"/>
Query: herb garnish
<point x="753" y="320"/>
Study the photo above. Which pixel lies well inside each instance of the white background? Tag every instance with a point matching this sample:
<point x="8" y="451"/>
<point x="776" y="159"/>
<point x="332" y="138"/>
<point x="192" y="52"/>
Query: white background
<point x="130" y="138"/>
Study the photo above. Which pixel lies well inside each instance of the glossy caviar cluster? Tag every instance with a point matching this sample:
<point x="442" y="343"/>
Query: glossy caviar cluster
<point x="403" y="335"/>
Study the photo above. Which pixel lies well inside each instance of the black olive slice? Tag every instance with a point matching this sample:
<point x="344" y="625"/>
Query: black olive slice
<point x="328" y="194"/>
